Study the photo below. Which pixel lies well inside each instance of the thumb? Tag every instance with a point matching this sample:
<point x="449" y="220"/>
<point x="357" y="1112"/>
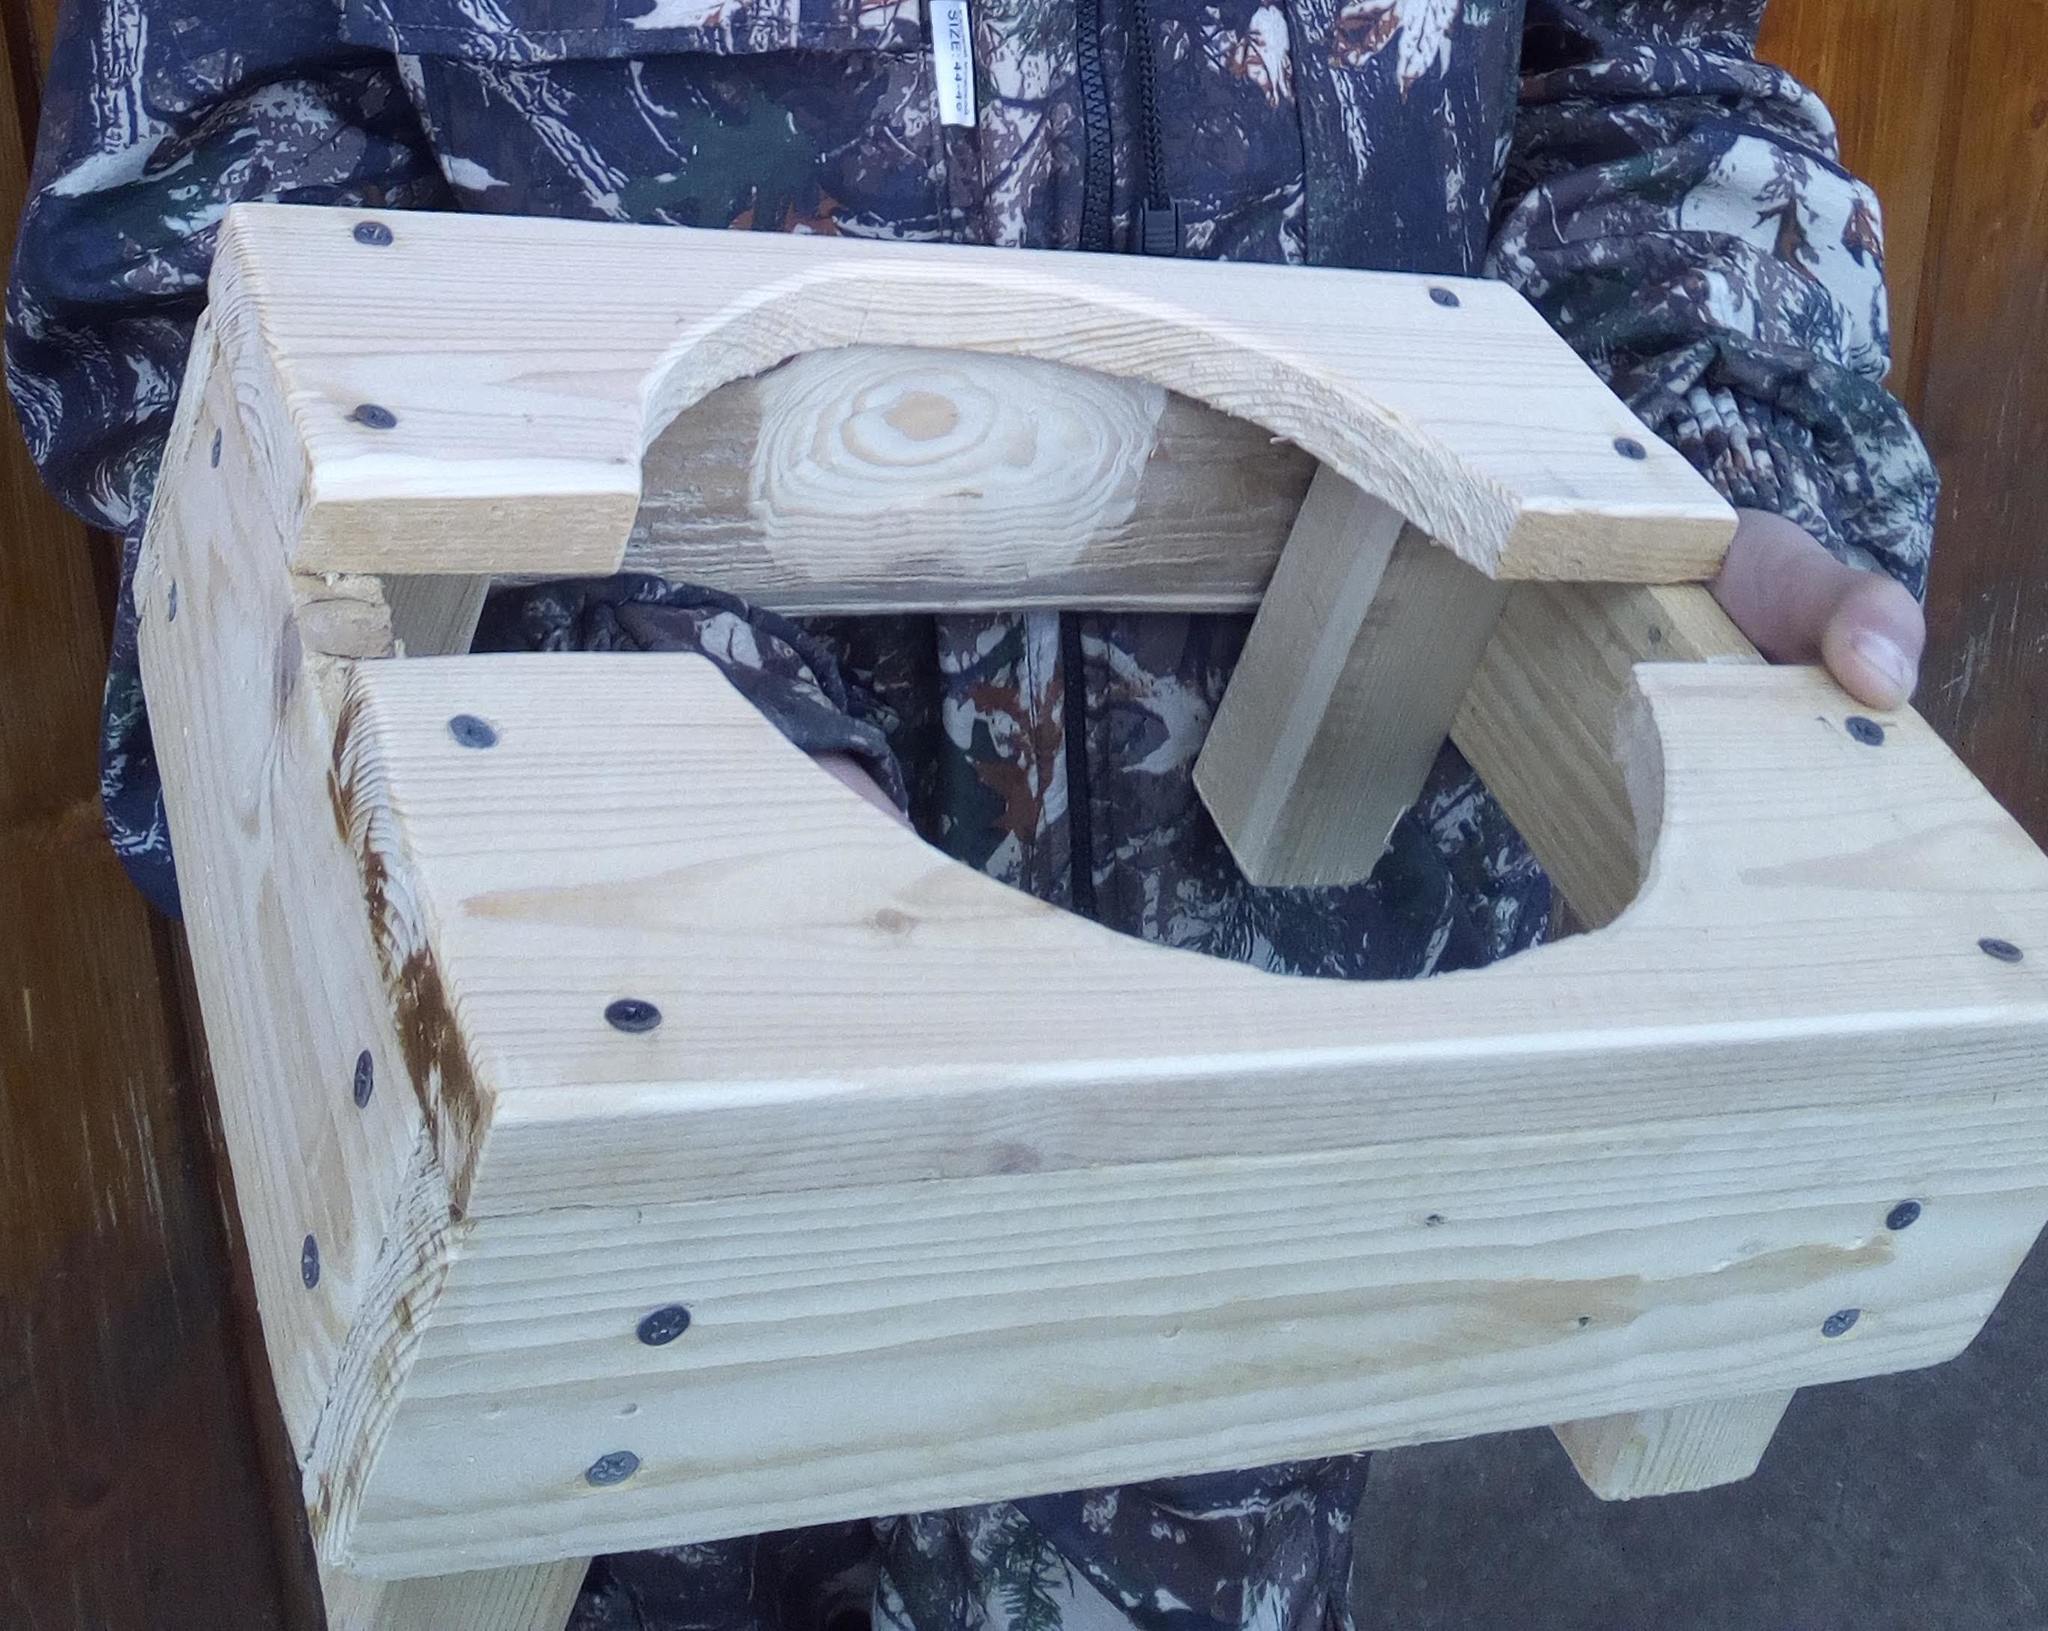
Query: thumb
<point x="1798" y="604"/>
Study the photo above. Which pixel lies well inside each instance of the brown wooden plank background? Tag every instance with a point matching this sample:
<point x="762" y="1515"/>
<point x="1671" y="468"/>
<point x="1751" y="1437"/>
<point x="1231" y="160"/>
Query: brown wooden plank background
<point x="132" y="1460"/>
<point x="142" y="1485"/>
<point x="1943" y="105"/>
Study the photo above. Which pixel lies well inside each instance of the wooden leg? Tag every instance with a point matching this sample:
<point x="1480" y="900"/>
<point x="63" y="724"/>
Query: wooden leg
<point x="1363" y="647"/>
<point x="1669" y="1452"/>
<point x="537" y="1598"/>
<point x="435" y="616"/>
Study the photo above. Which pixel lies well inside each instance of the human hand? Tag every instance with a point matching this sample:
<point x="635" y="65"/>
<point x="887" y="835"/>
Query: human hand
<point x="1798" y="604"/>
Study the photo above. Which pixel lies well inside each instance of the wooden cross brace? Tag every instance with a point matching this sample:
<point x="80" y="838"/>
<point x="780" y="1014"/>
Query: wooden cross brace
<point x="639" y="1138"/>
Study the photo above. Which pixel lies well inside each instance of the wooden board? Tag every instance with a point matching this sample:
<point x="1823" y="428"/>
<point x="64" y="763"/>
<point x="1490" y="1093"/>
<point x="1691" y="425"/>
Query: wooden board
<point x="535" y="1598"/>
<point x="1356" y="665"/>
<point x="476" y="395"/>
<point x="1560" y="671"/>
<point x="1673" y="1452"/>
<point x="339" y="1103"/>
<point x="896" y="478"/>
<point x="940" y="1249"/>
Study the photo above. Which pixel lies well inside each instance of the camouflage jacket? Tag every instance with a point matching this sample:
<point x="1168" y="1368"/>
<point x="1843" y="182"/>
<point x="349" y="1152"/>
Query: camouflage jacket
<point x="1676" y="208"/>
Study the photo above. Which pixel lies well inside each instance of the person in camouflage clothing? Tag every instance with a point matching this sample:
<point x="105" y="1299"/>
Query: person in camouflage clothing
<point x="1673" y="206"/>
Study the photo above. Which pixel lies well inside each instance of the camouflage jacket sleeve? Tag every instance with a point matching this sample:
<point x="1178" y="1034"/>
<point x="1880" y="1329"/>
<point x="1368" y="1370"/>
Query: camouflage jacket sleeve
<point x="1679" y="211"/>
<point x="158" y="115"/>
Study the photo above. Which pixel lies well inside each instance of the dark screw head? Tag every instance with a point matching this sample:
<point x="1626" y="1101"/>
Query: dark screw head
<point x="472" y="732"/>
<point x="664" y="1325"/>
<point x="365" y="1079"/>
<point x="216" y="450"/>
<point x="374" y="233"/>
<point x="631" y="1014"/>
<point x="1629" y="448"/>
<point x="1867" y="731"/>
<point x="1443" y="297"/>
<point x="309" y="1262"/>
<point x="1903" y="1216"/>
<point x="614" y="1468"/>
<point x="2004" y="950"/>
<point x="1839" y="1322"/>
<point x="376" y="418"/>
<point x="171" y="604"/>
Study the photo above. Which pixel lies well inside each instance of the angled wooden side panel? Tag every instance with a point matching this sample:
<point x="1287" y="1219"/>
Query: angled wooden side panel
<point x="296" y="1013"/>
<point x="331" y="1087"/>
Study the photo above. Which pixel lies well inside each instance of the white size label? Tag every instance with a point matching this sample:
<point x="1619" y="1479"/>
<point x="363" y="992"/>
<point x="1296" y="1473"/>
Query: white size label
<point x="953" y="61"/>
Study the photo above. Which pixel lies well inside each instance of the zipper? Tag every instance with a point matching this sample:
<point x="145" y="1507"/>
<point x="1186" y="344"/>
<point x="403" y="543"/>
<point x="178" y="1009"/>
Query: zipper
<point x="1158" y="227"/>
<point x="1097" y="155"/>
<point x="1157" y="231"/>
<point x="1097" y="151"/>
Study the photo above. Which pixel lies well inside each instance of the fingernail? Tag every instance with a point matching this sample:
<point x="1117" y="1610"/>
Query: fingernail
<point x="1888" y="660"/>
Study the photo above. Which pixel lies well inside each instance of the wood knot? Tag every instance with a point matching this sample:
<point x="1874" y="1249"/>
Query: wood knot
<point x="922" y="416"/>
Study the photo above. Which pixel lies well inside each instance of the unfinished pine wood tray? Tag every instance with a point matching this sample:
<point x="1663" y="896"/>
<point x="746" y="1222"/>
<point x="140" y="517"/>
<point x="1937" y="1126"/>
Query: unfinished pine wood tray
<point x="640" y="1138"/>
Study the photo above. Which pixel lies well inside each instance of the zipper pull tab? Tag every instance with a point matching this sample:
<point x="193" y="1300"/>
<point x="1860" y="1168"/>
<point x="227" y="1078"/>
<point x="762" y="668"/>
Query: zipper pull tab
<point x="1159" y="231"/>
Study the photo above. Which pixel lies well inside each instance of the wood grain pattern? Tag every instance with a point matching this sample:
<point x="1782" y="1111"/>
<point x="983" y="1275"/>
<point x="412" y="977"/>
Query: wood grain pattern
<point x="1356" y="665"/>
<point x="428" y="616"/>
<point x="262" y="865"/>
<point x="809" y="875"/>
<point x="1560" y="671"/>
<point x="942" y="1249"/>
<point x="1673" y="1452"/>
<point x="342" y="1113"/>
<point x="915" y="479"/>
<point x="906" y="1347"/>
<point x="438" y="403"/>
<point x="535" y="1598"/>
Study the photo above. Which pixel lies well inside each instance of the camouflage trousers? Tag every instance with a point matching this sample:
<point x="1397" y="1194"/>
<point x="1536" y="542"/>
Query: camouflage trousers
<point x="1268" y="1550"/>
